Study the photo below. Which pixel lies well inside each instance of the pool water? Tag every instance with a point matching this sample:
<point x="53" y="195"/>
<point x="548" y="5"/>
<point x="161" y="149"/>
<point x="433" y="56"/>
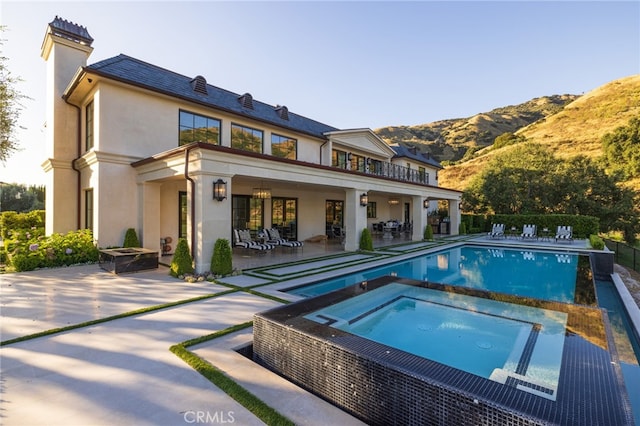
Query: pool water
<point x="547" y="275"/>
<point x="488" y="338"/>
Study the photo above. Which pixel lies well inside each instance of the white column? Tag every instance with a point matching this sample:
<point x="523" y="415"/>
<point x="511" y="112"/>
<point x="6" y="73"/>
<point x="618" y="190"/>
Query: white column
<point x="212" y="218"/>
<point x="149" y="215"/>
<point x="61" y="202"/>
<point x="454" y="216"/>
<point x="419" y="214"/>
<point x="355" y="219"/>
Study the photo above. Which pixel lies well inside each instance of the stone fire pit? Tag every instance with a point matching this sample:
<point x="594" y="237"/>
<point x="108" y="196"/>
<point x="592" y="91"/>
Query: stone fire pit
<point x="123" y="260"/>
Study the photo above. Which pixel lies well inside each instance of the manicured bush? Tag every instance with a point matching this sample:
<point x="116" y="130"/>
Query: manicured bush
<point x="596" y="242"/>
<point x="221" y="260"/>
<point x="462" y="229"/>
<point x="366" y="242"/>
<point x="131" y="238"/>
<point x="428" y="233"/>
<point x="182" y="262"/>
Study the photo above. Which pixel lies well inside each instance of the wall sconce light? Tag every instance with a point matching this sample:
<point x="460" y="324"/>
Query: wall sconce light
<point x="425" y="203"/>
<point x="219" y="190"/>
<point x="364" y="199"/>
<point x="394" y="201"/>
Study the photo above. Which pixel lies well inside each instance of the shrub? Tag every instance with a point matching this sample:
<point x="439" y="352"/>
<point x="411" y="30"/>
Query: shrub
<point x="428" y="233"/>
<point x="596" y="242"/>
<point x="462" y="229"/>
<point x="131" y="238"/>
<point x="11" y="221"/>
<point x="29" y="249"/>
<point x="182" y="263"/>
<point x="221" y="261"/>
<point x="366" y="242"/>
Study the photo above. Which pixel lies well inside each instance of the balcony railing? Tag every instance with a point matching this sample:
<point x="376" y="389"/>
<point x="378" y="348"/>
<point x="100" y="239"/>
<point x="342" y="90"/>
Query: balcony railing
<point x="394" y="171"/>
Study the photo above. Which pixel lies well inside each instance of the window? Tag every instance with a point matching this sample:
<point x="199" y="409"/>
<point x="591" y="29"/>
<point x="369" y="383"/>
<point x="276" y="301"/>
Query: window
<point x="339" y="159"/>
<point x="246" y="138"/>
<point x="284" y="213"/>
<point x="358" y="163"/>
<point x="198" y="128"/>
<point x="283" y="147"/>
<point x="182" y="214"/>
<point x="246" y="213"/>
<point x="88" y="123"/>
<point x="375" y="167"/>
<point x="372" y="210"/>
<point x="88" y="209"/>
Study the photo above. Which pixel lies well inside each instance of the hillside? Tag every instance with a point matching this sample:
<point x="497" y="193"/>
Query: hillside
<point x="575" y="129"/>
<point x="451" y="139"/>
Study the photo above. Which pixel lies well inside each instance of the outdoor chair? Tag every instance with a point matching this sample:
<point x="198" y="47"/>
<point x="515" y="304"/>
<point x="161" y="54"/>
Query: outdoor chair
<point x="564" y="233"/>
<point x="242" y="238"/>
<point x="529" y="232"/>
<point x="497" y="231"/>
<point x="273" y="237"/>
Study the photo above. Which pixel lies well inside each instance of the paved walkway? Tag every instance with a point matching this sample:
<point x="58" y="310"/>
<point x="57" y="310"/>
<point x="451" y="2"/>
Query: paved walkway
<point x="121" y="371"/>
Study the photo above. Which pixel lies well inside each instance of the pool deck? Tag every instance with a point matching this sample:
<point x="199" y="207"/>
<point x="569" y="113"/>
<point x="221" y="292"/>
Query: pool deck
<point x="121" y="371"/>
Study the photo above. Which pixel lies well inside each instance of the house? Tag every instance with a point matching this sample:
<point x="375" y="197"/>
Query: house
<point x="134" y="145"/>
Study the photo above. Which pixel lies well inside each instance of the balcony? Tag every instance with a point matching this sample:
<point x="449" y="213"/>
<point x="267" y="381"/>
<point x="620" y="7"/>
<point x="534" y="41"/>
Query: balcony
<point x="392" y="171"/>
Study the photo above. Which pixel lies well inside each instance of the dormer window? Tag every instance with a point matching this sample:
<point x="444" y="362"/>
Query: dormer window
<point x="199" y="85"/>
<point x="283" y="112"/>
<point x="246" y="100"/>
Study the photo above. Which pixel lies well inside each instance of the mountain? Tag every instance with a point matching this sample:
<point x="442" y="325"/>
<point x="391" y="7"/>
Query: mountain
<point x="450" y="140"/>
<point x="568" y="124"/>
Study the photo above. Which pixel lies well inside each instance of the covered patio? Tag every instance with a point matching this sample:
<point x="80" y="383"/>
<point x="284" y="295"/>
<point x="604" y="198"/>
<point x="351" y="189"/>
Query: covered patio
<point x="254" y="191"/>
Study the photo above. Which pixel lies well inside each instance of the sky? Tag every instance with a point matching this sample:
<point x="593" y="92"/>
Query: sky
<point x="348" y="64"/>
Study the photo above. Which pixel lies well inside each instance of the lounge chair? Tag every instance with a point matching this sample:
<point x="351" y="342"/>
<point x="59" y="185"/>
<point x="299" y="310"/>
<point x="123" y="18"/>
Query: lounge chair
<point x="497" y="230"/>
<point x="529" y="232"/>
<point x="564" y="233"/>
<point x="242" y="238"/>
<point x="273" y="237"/>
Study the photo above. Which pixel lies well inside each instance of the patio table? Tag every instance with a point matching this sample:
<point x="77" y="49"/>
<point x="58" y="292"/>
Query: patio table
<point x="545" y="234"/>
<point x="513" y="232"/>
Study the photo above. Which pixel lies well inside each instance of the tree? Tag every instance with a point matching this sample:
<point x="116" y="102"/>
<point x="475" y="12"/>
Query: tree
<point x="19" y="198"/>
<point x="528" y="179"/>
<point x="507" y="138"/>
<point x="622" y="149"/>
<point x="10" y="108"/>
<point x="513" y="182"/>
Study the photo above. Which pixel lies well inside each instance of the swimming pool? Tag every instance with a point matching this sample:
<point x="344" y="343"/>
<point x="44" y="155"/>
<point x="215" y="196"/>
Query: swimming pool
<point x="402" y="351"/>
<point x="550" y="275"/>
<point x="507" y="316"/>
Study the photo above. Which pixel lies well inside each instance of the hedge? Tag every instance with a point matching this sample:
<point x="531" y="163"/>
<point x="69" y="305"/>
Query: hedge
<point x="583" y="226"/>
